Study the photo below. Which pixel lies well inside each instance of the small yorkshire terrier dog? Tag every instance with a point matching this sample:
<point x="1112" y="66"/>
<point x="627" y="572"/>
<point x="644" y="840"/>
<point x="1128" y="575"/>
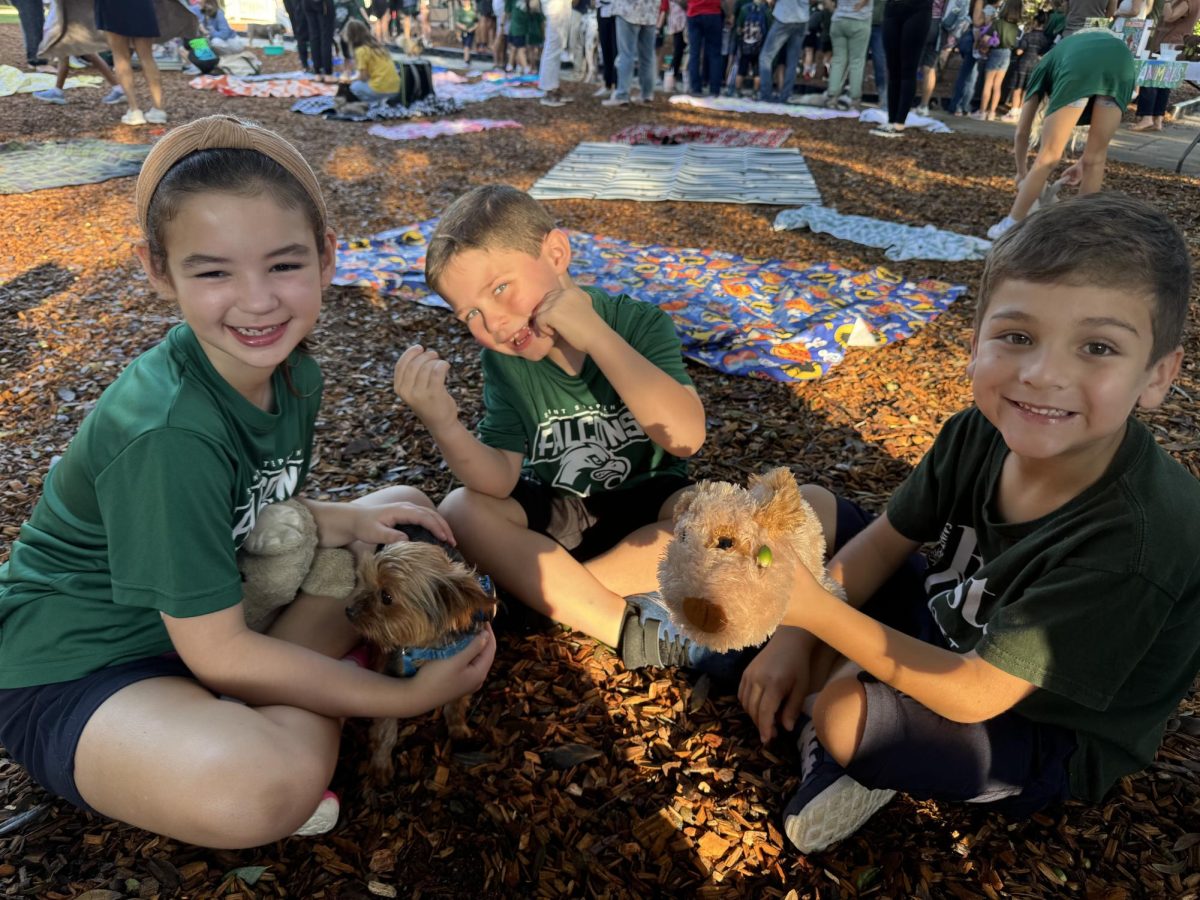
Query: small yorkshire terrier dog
<point x="417" y="601"/>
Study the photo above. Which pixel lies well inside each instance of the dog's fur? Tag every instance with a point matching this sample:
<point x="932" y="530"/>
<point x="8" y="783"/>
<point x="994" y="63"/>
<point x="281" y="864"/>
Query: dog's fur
<point x="414" y="594"/>
<point x="726" y="575"/>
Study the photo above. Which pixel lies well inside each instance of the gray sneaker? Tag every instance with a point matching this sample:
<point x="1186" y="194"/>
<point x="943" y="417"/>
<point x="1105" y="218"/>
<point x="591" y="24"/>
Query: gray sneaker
<point x="650" y="638"/>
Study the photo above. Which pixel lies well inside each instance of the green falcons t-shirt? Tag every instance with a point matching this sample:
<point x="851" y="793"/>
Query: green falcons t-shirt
<point x="1097" y="603"/>
<point x="575" y="431"/>
<point x="145" y="511"/>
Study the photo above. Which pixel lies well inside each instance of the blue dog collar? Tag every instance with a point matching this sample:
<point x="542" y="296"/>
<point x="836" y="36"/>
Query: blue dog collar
<point x="407" y="661"/>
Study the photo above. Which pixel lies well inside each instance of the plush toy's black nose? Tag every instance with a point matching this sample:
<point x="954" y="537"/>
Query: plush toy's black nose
<point x="724" y="543"/>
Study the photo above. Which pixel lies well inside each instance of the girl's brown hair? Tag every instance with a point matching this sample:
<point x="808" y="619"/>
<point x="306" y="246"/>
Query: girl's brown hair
<point x="357" y="34"/>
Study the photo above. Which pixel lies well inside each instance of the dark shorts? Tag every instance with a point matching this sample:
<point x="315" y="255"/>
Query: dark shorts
<point x="588" y="526"/>
<point x="468" y="39"/>
<point x="40" y="726"/>
<point x="516" y="40"/>
<point x="747" y="64"/>
<point x="812" y="39"/>
<point x="1012" y="764"/>
<point x="933" y="41"/>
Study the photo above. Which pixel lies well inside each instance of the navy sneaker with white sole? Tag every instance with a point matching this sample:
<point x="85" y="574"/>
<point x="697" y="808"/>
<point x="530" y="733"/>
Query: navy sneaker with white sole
<point x="830" y="805"/>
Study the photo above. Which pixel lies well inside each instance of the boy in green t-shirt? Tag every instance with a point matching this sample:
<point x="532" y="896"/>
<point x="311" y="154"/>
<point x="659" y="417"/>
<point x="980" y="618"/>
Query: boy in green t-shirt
<point x="1037" y="651"/>
<point x="466" y="20"/>
<point x="589" y="414"/>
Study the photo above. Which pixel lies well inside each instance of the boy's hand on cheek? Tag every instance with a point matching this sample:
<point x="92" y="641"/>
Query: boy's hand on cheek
<point x="566" y="312"/>
<point x="420" y="381"/>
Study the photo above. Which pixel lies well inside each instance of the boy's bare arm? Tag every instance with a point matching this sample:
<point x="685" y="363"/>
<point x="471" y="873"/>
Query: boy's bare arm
<point x="961" y="687"/>
<point x="420" y="381"/>
<point x="670" y="413"/>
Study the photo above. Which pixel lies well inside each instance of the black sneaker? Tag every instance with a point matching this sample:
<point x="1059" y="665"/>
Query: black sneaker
<point x="830" y="805"/>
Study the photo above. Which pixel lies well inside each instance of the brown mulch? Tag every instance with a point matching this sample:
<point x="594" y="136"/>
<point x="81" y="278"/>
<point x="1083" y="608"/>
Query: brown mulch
<point x="584" y="780"/>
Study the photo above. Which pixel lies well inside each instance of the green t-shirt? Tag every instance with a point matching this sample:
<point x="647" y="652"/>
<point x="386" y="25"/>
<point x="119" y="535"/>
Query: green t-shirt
<point x="145" y="510"/>
<point x="1097" y="603"/>
<point x="1088" y="64"/>
<point x="467" y="18"/>
<point x="576" y="432"/>
<point x="1009" y="32"/>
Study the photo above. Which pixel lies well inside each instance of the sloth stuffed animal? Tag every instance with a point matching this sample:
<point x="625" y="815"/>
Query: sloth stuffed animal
<point x="726" y="575"/>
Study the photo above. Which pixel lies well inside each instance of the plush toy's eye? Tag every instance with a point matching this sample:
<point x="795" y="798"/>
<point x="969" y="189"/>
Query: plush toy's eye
<point x="385" y="598"/>
<point x="724" y="543"/>
<point x="682" y="535"/>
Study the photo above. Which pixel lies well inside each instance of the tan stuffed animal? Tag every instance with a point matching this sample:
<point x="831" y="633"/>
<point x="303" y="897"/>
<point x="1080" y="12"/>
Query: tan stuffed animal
<point x="280" y="558"/>
<point x="725" y="575"/>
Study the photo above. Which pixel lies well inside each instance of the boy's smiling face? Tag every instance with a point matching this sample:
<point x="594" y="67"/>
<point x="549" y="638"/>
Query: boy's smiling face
<point x="1058" y="368"/>
<point x="496" y="291"/>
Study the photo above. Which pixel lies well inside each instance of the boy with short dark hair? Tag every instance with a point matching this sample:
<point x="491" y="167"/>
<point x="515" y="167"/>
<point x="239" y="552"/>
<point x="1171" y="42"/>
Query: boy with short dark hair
<point x="589" y="416"/>
<point x="1037" y="652"/>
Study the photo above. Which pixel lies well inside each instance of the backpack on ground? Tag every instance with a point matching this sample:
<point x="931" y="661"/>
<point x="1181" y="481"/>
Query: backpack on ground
<point x="416" y="82"/>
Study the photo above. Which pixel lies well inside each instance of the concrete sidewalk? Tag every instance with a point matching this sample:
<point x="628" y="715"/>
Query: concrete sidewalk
<point x="1158" y="149"/>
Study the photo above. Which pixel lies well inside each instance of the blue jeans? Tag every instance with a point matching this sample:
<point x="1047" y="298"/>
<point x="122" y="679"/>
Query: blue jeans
<point x="32" y="15"/>
<point x="964" y="86"/>
<point x="635" y="42"/>
<point x="704" y="39"/>
<point x="879" y="61"/>
<point x="364" y="92"/>
<point x="793" y="34"/>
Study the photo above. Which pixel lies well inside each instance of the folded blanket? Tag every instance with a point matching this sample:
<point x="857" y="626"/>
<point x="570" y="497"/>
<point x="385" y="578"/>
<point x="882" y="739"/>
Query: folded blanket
<point x="438" y="129"/>
<point x="899" y="241"/>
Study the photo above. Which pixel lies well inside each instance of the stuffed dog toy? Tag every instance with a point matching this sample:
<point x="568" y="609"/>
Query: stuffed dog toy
<point x="726" y="575"/>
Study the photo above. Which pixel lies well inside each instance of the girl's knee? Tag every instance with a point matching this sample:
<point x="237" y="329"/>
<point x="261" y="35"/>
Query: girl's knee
<point x="839" y="716"/>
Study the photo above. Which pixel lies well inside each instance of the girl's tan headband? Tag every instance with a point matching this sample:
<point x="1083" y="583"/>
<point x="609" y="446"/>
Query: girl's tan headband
<point x="224" y="133"/>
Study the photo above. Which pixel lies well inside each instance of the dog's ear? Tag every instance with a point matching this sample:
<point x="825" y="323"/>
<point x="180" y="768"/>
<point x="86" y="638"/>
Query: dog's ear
<point x="778" y="500"/>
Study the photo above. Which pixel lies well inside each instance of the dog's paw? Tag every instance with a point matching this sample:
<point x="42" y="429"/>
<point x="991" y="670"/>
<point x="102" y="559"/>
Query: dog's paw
<point x="281" y="528"/>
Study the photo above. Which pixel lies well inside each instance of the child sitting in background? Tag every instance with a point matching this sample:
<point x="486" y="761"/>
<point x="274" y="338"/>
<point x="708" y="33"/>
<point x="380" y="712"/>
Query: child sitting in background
<point x="223" y="39"/>
<point x="1033" y="43"/>
<point x="466" y="21"/>
<point x="376" y="79"/>
<point x="589" y="415"/>
<point x="1036" y="654"/>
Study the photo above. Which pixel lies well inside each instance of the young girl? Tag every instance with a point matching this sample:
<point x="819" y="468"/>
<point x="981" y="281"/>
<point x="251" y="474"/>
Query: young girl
<point x="1007" y="32"/>
<point x="1085" y="79"/>
<point x="133" y="24"/>
<point x="123" y="645"/>
<point x="376" y="79"/>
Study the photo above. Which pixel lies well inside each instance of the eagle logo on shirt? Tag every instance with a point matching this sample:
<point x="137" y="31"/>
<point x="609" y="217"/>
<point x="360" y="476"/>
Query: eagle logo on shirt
<point x="594" y="465"/>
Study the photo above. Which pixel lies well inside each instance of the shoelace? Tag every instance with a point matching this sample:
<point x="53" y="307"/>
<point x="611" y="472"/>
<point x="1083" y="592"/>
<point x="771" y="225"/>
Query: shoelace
<point x="811" y="749"/>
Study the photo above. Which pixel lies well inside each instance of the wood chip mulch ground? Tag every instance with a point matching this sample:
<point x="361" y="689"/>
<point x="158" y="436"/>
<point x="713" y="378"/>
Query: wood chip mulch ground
<point x="584" y="780"/>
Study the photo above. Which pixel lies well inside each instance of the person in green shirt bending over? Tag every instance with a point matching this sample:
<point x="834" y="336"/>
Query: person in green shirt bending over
<point x="1037" y="650"/>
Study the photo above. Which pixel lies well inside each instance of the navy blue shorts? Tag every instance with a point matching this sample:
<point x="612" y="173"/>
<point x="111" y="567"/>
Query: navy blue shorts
<point x="1012" y="764"/>
<point x="588" y="526"/>
<point x="40" y="726"/>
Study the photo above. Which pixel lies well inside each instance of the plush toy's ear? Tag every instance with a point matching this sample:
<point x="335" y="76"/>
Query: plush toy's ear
<point x="778" y="498"/>
<point x="682" y="504"/>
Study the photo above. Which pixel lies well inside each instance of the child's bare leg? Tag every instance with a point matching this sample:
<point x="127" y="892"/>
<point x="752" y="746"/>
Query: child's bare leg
<point x="1056" y="131"/>
<point x="839" y="716"/>
<point x="123" y="66"/>
<point x="494" y="535"/>
<point x="165" y="755"/>
<point x="1106" y="119"/>
<point x="102" y="67"/>
<point x="145" y="52"/>
<point x="64" y="65"/>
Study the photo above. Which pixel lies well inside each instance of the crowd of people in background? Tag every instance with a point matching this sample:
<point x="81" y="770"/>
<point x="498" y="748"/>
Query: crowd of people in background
<point x="632" y="48"/>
